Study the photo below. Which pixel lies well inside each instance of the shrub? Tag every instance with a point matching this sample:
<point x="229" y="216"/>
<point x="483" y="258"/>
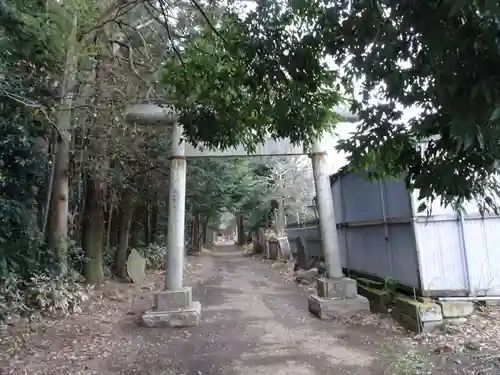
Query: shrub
<point x="154" y="255"/>
<point x="56" y="295"/>
<point x="12" y="300"/>
<point x="45" y="294"/>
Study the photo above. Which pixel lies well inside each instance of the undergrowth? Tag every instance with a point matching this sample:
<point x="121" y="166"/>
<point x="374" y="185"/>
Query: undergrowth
<point x="40" y="291"/>
<point x="44" y="294"/>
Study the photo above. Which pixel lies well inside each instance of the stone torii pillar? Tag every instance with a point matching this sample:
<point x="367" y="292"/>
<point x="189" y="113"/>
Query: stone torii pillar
<point x="337" y="295"/>
<point x="174" y="306"/>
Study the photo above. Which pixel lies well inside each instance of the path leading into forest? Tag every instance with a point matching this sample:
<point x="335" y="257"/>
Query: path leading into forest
<point x="253" y="324"/>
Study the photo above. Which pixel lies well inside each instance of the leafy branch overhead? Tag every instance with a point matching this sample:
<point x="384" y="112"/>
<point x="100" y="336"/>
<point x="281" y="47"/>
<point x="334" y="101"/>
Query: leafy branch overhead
<point x="441" y="56"/>
<point x="259" y="75"/>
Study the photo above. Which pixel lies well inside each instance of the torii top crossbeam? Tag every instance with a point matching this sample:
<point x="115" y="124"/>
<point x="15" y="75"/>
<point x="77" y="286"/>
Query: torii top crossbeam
<point x="156" y="115"/>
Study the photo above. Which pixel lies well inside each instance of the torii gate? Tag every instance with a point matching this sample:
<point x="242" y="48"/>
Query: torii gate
<point x="174" y="306"/>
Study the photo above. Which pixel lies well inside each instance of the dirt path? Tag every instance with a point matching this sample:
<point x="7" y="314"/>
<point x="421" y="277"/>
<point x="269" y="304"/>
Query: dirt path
<point x="253" y="324"/>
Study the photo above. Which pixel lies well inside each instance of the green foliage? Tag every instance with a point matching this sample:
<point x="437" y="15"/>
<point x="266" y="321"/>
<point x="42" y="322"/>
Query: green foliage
<point x="441" y="56"/>
<point x="154" y="255"/>
<point x="31" y="50"/>
<point x="245" y="79"/>
<point x="258" y="217"/>
<point x="56" y="294"/>
<point x="22" y="170"/>
<point x="220" y="185"/>
<point x="22" y="167"/>
<point x="48" y="295"/>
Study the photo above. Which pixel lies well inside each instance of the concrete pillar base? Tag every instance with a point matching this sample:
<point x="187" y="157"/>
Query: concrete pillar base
<point x="342" y="287"/>
<point x="337" y="299"/>
<point x="173" y="308"/>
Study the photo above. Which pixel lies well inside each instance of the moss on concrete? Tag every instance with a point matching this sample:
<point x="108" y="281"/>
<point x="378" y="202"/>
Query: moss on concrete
<point x="380" y="300"/>
<point x="370" y="283"/>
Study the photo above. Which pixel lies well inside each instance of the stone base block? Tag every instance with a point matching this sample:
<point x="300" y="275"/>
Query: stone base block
<point x="457" y="309"/>
<point x="380" y="300"/>
<point x="337" y="308"/>
<point x="177" y="318"/>
<point x="343" y="287"/>
<point x="417" y="316"/>
<point x="414" y="324"/>
<point x="170" y="300"/>
<point x="423" y="311"/>
<point x="273" y="249"/>
<point x="455" y="321"/>
<point x="494" y="303"/>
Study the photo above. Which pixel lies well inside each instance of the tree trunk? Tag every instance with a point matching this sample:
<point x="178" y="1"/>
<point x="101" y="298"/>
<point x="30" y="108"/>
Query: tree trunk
<point x="204" y="231"/>
<point x="109" y="225"/>
<point x="154" y="220"/>
<point x="241" y="229"/>
<point x="94" y="230"/>
<point x="115" y="229"/>
<point x="147" y="226"/>
<point x="127" y="211"/>
<point x="196" y="232"/>
<point x="59" y="202"/>
<point x="134" y="238"/>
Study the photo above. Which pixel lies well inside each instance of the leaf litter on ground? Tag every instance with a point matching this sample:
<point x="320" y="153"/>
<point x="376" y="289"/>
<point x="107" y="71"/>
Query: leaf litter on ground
<point x="106" y="327"/>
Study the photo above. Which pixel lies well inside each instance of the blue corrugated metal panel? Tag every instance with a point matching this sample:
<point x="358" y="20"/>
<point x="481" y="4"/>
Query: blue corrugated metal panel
<point x="361" y="198"/>
<point x="337" y="202"/>
<point x="397" y="199"/>
<point x="307" y="234"/>
<point x="403" y="254"/>
<point x="440" y="253"/>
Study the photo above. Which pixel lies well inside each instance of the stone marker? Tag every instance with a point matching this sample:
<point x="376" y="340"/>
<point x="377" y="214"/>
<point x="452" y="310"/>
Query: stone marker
<point x="273" y="248"/>
<point x="136" y="267"/>
<point x="284" y="246"/>
<point x="301" y="253"/>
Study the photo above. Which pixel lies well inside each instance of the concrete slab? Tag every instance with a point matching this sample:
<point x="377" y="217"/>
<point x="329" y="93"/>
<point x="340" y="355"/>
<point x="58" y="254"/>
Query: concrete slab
<point x="337" y="308"/>
<point x="455" y="321"/>
<point x="414" y="324"/>
<point x="423" y="311"/>
<point x="189" y="317"/>
<point x="456" y="309"/>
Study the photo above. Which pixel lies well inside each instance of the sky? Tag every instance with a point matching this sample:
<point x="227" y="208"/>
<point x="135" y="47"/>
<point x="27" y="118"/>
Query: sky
<point x="336" y="159"/>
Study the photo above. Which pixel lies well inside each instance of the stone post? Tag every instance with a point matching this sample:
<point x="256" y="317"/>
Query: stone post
<point x="174" y="306"/>
<point x="337" y="295"/>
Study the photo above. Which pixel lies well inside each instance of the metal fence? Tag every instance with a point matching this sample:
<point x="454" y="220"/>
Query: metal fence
<point x="381" y="234"/>
<point x="459" y="254"/>
<point x="375" y="232"/>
